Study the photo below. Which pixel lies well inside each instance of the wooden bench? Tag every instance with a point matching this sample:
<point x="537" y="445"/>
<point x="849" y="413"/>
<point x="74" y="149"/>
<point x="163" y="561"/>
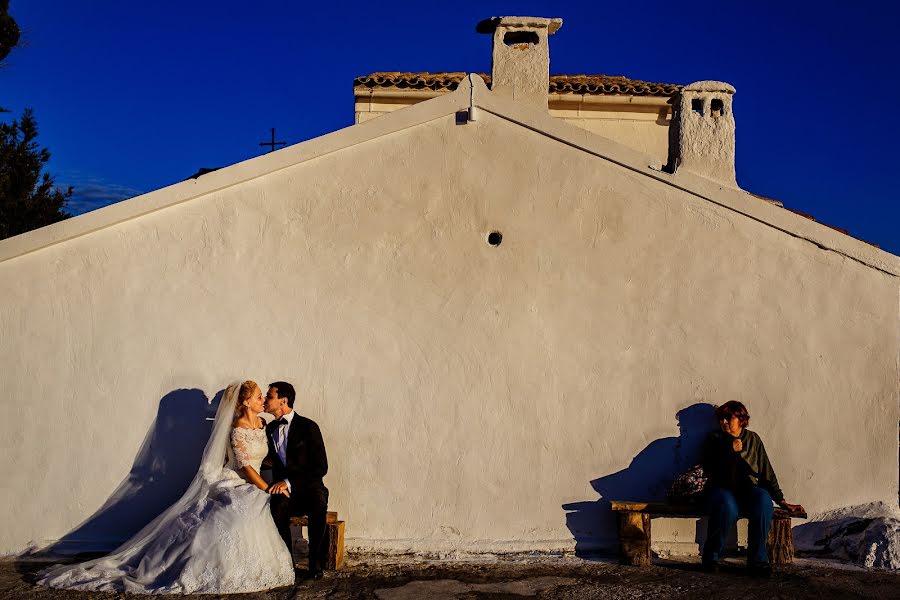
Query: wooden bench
<point x="335" y="556"/>
<point x="634" y="530"/>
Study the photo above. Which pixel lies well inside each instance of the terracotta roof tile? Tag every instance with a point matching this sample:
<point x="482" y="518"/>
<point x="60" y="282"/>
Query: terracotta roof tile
<point x="413" y="81"/>
<point x="610" y="85"/>
<point x="615" y="85"/>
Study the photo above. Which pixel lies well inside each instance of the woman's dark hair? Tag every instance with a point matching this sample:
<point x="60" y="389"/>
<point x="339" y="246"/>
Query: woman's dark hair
<point x="284" y="390"/>
<point x="733" y="408"/>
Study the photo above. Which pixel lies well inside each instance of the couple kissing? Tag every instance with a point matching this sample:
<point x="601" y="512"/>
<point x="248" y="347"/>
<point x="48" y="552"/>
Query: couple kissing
<point x="230" y="531"/>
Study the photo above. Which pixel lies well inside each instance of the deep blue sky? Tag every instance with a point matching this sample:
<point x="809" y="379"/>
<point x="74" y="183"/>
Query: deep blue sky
<point x="133" y="96"/>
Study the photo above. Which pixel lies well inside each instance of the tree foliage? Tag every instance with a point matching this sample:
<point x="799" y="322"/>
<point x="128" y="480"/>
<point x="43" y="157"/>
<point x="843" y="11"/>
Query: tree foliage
<point x="9" y="35"/>
<point x="28" y="198"/>
<point x="9" y="30"/>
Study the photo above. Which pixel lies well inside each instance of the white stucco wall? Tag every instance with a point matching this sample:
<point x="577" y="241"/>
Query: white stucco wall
<point x="637" y="122"/>
<point x="647" y="132"/>
<point x="465" y="392"/>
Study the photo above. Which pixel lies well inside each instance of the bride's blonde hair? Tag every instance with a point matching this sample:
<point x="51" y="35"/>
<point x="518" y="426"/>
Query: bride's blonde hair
<point x="244" y="394"/>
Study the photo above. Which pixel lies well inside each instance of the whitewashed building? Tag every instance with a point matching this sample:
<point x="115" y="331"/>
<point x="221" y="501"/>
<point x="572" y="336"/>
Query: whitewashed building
<point x="492" y="301"/>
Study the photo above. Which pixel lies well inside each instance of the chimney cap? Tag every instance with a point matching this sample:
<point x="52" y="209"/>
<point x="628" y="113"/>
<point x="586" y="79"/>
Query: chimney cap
<point x="709" y="86"/>
<point x="491" y="24"/>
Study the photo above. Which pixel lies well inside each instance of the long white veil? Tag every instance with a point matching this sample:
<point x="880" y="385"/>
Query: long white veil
<point x="128" y="555"/>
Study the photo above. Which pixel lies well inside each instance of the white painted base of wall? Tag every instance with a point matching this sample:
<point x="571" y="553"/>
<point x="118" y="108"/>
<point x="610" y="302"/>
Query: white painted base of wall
<point x="671" y="537"/>
<point x="443" y="547"/>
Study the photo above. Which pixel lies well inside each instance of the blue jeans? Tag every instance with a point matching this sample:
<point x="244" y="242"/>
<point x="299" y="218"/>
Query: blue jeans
<point x="724" y="507"/>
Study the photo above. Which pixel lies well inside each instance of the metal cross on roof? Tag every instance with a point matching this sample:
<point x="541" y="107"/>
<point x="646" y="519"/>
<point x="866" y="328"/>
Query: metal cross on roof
<point x="273" y="143"/>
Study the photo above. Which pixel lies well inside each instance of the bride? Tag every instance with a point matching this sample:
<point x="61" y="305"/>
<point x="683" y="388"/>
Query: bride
<point x="218" y="538"/>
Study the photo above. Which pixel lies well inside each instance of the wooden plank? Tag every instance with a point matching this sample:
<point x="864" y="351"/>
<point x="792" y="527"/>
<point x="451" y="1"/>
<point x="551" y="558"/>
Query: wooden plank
<point x="634" y="539"/>
<point x="664" y="509"/>
<point x="658" y="508"/>
<point x="330" y="517"/>
<point x="781" y="513"/>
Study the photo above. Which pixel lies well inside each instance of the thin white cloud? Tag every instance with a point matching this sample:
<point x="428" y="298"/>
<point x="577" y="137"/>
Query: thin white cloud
<point x="91" y="193"/>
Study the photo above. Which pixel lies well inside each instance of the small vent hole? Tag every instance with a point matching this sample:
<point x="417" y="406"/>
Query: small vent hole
<point x="717" y="107"/>
<point x="514" y="38"/>
<point x="494" y="238"/>
<point x="697" y="106"/>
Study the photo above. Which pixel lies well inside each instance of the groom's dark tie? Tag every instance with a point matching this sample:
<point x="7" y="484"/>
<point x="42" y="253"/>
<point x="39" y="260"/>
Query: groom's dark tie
<point x="282" y="421"/>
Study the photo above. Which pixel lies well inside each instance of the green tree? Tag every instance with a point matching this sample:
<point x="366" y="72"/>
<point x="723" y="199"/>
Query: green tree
<point x="9" y="30"/>
<point x="28" y="198"/>
<point x="9" y="35"/>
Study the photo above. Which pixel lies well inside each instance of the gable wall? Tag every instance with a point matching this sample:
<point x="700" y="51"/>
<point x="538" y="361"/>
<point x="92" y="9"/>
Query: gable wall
<point x="466" y="393"/>
<point x="640" y="123"/>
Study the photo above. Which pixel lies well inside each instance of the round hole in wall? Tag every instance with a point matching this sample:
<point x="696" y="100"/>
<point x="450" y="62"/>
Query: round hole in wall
<point x="494" y="238"/>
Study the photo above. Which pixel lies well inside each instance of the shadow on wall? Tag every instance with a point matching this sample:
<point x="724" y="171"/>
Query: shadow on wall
<point x="593" y="524"/>
<point x="163" y="469"/>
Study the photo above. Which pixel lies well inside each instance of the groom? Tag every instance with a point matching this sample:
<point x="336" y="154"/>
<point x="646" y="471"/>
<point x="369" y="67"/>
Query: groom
<point x="298" y="460"/>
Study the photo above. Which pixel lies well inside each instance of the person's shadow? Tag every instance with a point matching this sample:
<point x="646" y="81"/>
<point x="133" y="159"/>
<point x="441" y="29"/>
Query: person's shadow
<point x="163" y="468"/>
<point x="593" y="524"/>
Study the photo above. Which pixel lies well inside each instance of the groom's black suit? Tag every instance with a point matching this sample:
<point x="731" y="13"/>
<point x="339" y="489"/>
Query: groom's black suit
<point x="305" y="465"/>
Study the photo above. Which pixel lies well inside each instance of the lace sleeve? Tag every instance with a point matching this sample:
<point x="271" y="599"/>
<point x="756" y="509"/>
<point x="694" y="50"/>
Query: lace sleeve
<point x="240" y="449"/>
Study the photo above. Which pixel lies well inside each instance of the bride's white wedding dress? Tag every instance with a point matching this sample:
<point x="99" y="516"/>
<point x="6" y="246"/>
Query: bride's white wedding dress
<point x="219" y="538"/>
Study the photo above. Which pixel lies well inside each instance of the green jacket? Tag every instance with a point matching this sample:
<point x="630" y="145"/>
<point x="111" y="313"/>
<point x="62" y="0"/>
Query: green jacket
<point x="734" y="471"/>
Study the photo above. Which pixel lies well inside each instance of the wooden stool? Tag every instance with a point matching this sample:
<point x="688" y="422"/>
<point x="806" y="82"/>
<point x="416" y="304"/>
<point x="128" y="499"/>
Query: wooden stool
<point x="335" y="556"/>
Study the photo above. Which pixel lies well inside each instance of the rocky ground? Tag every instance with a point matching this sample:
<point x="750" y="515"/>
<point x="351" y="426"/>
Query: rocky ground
<point x="521" y="577"/>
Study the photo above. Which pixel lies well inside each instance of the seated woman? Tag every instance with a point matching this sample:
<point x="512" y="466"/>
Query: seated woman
<point x="740" y="480"/>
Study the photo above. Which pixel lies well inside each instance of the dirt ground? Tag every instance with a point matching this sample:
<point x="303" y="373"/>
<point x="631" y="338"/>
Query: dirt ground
<point x="521" y="577"/>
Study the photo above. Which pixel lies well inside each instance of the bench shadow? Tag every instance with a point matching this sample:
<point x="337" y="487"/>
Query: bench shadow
<point x="164" y="467"/>
<point x="593" y="523"/>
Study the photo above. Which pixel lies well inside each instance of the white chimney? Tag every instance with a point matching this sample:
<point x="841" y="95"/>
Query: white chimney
<point x="702" y="132"/>
<point x="520" y="66"/>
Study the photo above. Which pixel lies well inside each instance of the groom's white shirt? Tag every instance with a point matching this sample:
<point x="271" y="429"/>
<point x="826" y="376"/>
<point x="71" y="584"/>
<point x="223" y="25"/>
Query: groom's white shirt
<point x="280" y="439"/>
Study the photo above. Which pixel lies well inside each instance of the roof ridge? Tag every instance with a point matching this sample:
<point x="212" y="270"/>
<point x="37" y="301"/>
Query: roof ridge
<point x="597" y="84"/>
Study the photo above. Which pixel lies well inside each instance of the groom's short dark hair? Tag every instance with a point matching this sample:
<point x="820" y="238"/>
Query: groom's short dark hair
<point x="284" y="390"/>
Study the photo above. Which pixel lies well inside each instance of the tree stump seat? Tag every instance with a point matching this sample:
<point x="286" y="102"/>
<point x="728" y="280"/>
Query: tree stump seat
<point x="334" y="559"/>
<point x="634" y="529"/>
